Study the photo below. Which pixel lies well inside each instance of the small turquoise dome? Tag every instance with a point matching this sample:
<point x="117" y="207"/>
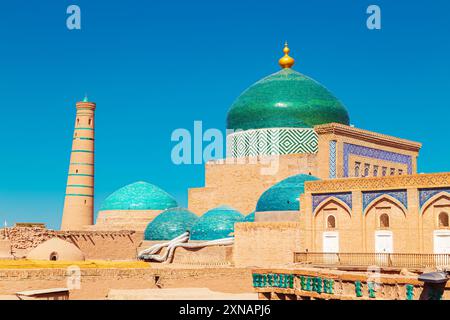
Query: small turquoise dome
<point x="215" y="224"/>
<point x="250" y="217"/>
<point x="170" y="224"/>
<point x="139" y="196"/>
<point x="285" y="99"/>
<point x="284" y="195"/>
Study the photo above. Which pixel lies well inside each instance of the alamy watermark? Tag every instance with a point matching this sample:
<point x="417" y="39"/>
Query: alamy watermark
<point x="73" y="277"/>
<point x="200" y="146"/>
<point x="73" y="21"/>
<point x="374" y="20"/>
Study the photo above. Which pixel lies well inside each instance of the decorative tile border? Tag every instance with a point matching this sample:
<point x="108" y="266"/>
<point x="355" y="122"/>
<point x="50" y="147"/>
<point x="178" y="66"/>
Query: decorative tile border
<point x="427" y="194"/>
<point x="420" y="181"/>
<point x="271" y="142"/>
<point x="369" y="196"/>
<point x="362" y="151"/>
<point x="332" y="159"/>
<point x="318" y="199"/>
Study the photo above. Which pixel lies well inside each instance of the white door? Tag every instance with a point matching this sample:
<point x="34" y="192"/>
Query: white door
<point x="442" y="242"/>
<point x="384" y="242"/>
<point x="331" y="242"/>
<point x="330" y="247"/>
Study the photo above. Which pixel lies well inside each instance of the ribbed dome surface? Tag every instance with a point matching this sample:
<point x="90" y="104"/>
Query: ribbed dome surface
<point x="170" y="224"/>
<point x="286" y="99"/>
<point x="284" y="195"/>
<point x="139" y="196"/>
<point x="217" y="223"/>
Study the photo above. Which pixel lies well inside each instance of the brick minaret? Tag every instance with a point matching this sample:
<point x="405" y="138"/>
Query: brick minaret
<point x="79" y="200"/>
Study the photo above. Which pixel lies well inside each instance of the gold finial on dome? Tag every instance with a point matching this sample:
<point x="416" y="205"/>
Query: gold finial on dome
<point x="286" y="61"/>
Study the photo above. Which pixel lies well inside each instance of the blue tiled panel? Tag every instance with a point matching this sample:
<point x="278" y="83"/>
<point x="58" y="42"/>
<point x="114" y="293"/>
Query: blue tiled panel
<point x="350" y="149"/>
<point x="332" y="159"/>
<point x="427" y="194"/>
<point x="320" y="198"/>
<point x="400" y="195"/>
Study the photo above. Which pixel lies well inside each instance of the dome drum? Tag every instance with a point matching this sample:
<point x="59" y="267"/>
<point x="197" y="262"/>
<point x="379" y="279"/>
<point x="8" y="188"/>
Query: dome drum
<point x="275" y="141"/>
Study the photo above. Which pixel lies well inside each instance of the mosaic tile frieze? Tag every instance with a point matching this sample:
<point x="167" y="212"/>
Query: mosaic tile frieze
<point x="429" y="181"/>
<point x="352" y="149"/>
<point x="318" y="199"/>
<point x="400" y="195"/>
<point x="271" y="142"/>
<point x="427" y="194"/>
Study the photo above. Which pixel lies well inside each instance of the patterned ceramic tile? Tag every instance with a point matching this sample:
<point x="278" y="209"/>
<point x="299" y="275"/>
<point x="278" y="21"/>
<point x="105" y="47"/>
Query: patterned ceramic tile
<point x="370" y="196"/>
<point x="332" y="159"/>
<point x="318" y="199"/>
<point x="271" y="141"/>
<point x="427" y="194"/>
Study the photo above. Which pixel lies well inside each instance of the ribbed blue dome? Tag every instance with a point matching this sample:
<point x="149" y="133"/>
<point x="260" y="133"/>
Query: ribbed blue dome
<point x="215" y="224"/>
<point x="139" y="196"/>
<point x="284" y="195"/>
<point x="250" y="217"/>
<point x="170" y="224"/>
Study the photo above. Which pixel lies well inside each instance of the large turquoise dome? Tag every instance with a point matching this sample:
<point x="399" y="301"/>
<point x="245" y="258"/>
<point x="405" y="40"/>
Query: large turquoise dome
<point x="215" y="224"/>
<point x="285" y="99"/>
<point x="170" y="224"/>
<point x="139" y="196"/>
<point x="284" y="195"/>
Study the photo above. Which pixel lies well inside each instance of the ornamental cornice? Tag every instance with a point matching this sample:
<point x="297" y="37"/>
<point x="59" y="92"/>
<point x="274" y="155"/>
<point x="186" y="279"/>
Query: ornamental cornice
<point x="419" y="181"/>
<point x="369" y="136"/>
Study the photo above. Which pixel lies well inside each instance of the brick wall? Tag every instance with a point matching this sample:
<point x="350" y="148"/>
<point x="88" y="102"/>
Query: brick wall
<point x="266" y="244"/>
<point x="107" y="245"/>
<point x="241" y="185"/>
<point x="95" y="283"/>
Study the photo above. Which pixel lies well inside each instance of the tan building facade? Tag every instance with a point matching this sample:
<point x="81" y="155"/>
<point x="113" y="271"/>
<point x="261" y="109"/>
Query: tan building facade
<point x="399" y="214"/>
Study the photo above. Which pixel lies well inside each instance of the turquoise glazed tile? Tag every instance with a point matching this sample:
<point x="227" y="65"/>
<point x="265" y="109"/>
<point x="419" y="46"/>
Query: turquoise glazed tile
<point x="139" y="196"/>
<point x="215" y="224"/>
<point x="285" y="99"/>
<point x="284" y="196"/>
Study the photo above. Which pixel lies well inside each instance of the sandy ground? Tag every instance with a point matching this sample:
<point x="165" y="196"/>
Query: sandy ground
<point x="178" y="294"/>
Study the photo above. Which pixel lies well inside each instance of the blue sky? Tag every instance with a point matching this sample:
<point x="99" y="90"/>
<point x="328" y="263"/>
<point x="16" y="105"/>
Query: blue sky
<point x="154" y="66"/>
